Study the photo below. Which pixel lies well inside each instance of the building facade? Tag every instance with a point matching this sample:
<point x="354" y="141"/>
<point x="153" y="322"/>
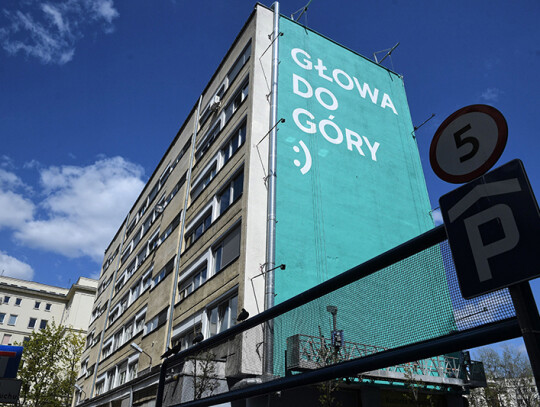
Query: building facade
<point x="27" y="306"/>
<point x="193" y="250"/>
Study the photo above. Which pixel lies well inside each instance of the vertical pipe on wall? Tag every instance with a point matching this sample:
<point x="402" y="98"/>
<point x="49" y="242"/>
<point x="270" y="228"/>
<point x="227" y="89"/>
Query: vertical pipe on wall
<point x="182" y="225"/>
<point x="113" y="285"/>
<point x="271" y="202"/>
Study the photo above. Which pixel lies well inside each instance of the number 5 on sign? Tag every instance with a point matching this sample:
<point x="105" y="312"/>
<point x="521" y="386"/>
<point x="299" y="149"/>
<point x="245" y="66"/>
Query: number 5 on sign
<point x="468" y="143"/>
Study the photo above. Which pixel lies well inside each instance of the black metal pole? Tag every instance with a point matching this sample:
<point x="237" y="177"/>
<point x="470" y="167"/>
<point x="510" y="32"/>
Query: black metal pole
<point x="474" y="337"/>
<point x="398" y="253"/>
<point x="161" y="385"/>
<point x="529" y="323"/>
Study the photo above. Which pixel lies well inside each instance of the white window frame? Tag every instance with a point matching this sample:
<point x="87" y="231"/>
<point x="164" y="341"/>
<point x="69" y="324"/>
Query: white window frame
<point x="227" y="297"/>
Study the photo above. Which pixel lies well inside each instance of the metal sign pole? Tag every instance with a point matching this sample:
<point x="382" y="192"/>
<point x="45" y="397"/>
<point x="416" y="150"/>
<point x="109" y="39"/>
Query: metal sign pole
<point x="529" y="323"/>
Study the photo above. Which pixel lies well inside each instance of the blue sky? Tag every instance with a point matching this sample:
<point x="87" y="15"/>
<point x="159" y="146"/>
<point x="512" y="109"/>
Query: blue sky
<point x="93" y="91"/>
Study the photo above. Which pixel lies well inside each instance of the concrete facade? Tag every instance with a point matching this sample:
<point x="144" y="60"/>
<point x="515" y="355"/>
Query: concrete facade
<point x="188" y="256"/>
<point x="27" y="306"/>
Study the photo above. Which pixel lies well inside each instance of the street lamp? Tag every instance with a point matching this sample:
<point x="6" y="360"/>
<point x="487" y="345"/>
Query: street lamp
<point x="140" y="350"/>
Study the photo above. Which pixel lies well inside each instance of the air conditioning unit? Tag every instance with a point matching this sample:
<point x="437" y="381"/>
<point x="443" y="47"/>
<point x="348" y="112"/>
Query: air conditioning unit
<point x="214" y="103"/>
<point x="159" y="208"/>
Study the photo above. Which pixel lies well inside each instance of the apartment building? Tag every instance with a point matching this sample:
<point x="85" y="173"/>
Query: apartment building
<point x="216" y="216"/>
<point x="27" y="306"/>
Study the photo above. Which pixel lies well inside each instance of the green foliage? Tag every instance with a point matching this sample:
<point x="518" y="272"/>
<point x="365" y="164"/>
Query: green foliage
<point x="49" y="367"/>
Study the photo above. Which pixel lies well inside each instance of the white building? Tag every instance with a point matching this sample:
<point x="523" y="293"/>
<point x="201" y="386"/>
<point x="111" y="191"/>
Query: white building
<point x="26" y="306"/>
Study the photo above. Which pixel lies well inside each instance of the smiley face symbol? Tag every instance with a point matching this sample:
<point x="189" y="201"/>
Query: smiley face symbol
<point x="307" y="165"/>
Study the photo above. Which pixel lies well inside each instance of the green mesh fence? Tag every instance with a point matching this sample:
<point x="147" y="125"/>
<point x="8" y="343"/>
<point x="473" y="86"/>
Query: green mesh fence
<point x="412" y="300"/>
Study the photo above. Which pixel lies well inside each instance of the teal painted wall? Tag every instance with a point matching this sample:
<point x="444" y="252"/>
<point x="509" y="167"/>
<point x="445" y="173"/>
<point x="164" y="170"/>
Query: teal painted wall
<point x="349" y="186"/>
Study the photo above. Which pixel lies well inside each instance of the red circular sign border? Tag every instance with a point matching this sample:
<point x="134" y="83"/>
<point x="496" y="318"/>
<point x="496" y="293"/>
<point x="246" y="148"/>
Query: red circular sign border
<point x="502" y="138"/>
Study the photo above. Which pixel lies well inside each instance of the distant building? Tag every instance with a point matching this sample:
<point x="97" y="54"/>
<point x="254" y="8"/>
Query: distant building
<point x="26" y="306"/>
<point x="509" y="392"/>
<point x="193" y="250"/>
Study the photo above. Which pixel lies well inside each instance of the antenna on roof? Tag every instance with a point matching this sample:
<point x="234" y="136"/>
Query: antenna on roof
<point x="390" y="50"/>
<point x="301" y="11"/>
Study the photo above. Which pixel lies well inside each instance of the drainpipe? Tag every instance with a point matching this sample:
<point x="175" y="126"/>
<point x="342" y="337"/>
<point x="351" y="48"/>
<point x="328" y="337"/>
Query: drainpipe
<point x="182" y="224"/>
<point x="271" y="203"/>
<point x="113" y="283"/>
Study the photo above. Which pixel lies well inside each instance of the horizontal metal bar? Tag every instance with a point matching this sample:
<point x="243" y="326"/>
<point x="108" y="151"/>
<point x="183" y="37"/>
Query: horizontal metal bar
<point x="386" y="259"/>
<point x="474" y="337"/>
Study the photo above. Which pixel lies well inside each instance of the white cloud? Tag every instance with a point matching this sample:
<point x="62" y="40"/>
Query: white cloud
<point x="491" y="94"/>
<point x="10" y="266"/>
<point x="437" y="216"/>
<point x="83" y="207"/>
<point x="15" y="210"/>
<point x="49" y="31"/>
<point x="104" y="9"/>
<point x="56" y="17"/>
<point x="9" y="180"/>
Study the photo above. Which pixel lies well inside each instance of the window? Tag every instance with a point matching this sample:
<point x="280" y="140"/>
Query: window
<point x="37" y="304"/>
<point x="199" y="228"/>
<point x="203" y="182"/>
<point x="89" y="339"/>
<point x="111" y="375"/>
<point x="227" y="250"/>
<point x="124" y="303"/>
<point x="135" y="291"/>
<point x="100" y="387"/>
<point x="122" y="373"/>
<point x="12" y="319"/>
<point x="118" y="339"/>
<point x="193" y="282"/>
<point x="157" y="321"/>
<point x="84" y="368"/>
<point x="107" y="349"/>
<point x="222" y="316"/>
<point x="2" y="317"/>
<point x="164" y="176"/>
<point x="18" y="301"/>
<point x="231" y="192"/>
<point x="32" y="323"/>
<point x="239" y="63"/>
<point x="147" y="280"/>
<point x="208" y="140"/>
<point x="127" y="252"/>
<point x="48" y="307"/>
<point x="236" y="101"/>
<point x="139" y="323"/>
<point x="128" y="332"/>
<point x="6" y="339"/>
<point x="131" y="226"/>
<point x="182" y="152"/>
<point x="161" y="274"/>
<point x="173" y="225"/>
<point x="132" y="370"/>
<point x="235" y="142"/>
<point x="158" y="277"/>
<point x="6" y="299"/>
<point x="42" y="324"/>
<point x="186" y="339"/>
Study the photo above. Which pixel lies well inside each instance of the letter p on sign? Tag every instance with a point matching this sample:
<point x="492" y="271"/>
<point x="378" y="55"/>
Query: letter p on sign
<point x="482" y="252"/>
<point x="493" y="225"/>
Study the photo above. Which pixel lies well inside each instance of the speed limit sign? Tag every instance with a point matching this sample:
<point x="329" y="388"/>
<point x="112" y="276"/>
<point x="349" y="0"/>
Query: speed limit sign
<point x="468" y="143"/>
